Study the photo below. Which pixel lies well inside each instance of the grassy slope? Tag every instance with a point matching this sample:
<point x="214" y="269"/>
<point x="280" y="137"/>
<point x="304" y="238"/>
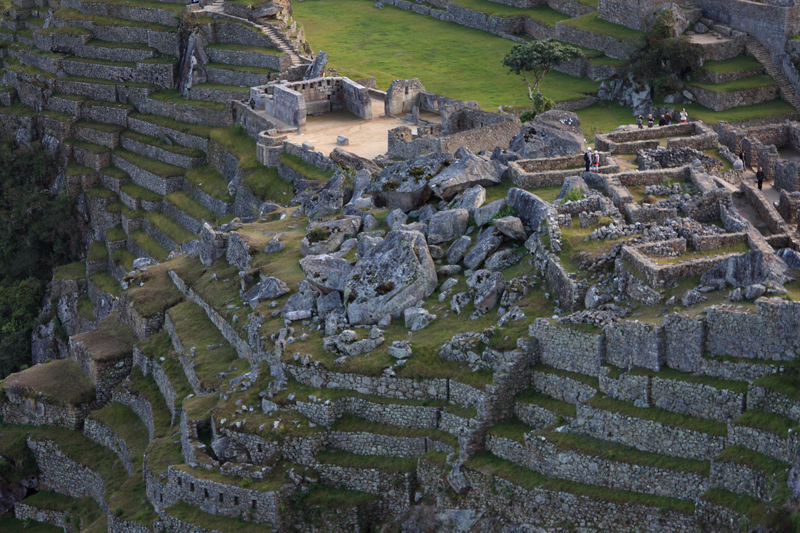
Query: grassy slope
<point x="458" y="62"/>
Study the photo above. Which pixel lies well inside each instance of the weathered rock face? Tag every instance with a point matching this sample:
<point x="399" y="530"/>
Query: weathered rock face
<point x="754" y="267"/>
<point x="326" y="237"/>
<point x="484" y="215"/>
<point x="488" y="243"/>
<point x="325" y="271"/>
<point x="488" y="288"/>
<point x="328" y="200"/>
<point x="354" y="162"/>
<point x="267" y="289"/>
<point x="464" y="174"/>
<point x="471" y="199"/>
<point x="569" y="183"/>
<point x="550" y="134"/>
<point x="397" y="273"/>
<point x="530" y="209"/>
<point x="445" y="226"/>
<point x="511" y="227"/>
<point x="457" y="250"/>
<point x="212" y="244"/>
<point x="404" y="185"/>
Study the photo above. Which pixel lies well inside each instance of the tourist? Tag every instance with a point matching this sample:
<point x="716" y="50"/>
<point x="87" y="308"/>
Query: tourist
<point x="640" y="122"/>
<point x="668" y="118"/>
<point x="684" y="115"/>
<point x="587" y="158"/>
<point x="596" y="160"/>
<point x="662" y="121"/>
<point x="743" y="157"/>
<point x="650" y="121"/>
<point x="760" y="177"/>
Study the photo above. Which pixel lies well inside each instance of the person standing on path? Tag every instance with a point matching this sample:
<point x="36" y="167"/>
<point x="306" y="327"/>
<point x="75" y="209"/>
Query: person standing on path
<point x="668" y="118"/>
<point x="640" y="122"/>
<point x="662" y="121"/>
<point x="587" y="158"/>
<point x="596" y="160"/>
<point x="760" y="177"/>
<point x="650" y="121"/>
<point x="743" y="157"/>
<point x="684" y="115"/>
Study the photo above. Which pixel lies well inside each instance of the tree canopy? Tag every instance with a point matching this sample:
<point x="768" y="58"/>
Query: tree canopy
<point x="535" y="59"/>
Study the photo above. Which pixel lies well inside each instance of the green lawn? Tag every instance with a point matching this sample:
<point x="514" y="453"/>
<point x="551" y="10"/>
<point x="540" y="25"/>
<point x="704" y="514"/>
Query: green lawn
<point x="772" y="108"/>
<point x="545" y="15"/>
<point x="735" y="64"/>
<point x="452" y="60"/>
<point x="751" y="82"/>
<point x="593" y="24"/>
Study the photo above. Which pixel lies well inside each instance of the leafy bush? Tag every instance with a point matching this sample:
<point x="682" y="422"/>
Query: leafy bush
<point x="318" y="234"/>
<point x="507" y="211"/>
<point x="574" y="194"/>
<point x="527" y="115"/>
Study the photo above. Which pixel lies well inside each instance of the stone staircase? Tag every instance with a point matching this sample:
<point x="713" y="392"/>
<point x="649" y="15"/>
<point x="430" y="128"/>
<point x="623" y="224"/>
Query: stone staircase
<point x="758" y="51"/>
<point x="281" y="42"/>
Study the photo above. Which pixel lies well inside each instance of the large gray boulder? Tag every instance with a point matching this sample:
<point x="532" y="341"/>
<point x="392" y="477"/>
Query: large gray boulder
<point x="405" y="184"/>
<point x="464" y="174"/>
<point x="328" y="200"/>
<point x="354" y="162"/>
<point x="326" y="272"/>
<point x="397" y="274"/>
<point x="754" y="267"/>
<point x="326" y="237"/>
<point x="471" y="199"/>
<point x="445" y="226"/>
<point x="569" y="183"/>
<point x="488" y="242"/>
<point x="530" y="209"/>
<point x="511" y="227"/>
<point x="267" y="289"/>
<point x="458" y="249"/>
<point x="484" y="215"/>
<point x="551" y="134"/>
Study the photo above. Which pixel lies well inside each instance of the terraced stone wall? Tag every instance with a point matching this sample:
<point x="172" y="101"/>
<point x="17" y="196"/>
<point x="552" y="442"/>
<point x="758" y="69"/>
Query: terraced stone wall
<point x="19" y="408"/>
<point x="139" y="405"/>
<point x="105" y="436"/>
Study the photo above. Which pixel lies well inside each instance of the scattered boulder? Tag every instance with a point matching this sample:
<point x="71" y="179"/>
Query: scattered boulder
<point x="405" y="184"/>
<point x="448" y="270"/>
<point x="464" y="174"/>
<point x="502" y="259"/>
<point x="326" y="271"/>
<point x="354" y="162"/>
<point x="511" y="227"/>
<point x="213" y="244"/>
<point x="424" y="214"/>
<point x="366" y="243"/>
<point x="569" y="183"/>
<point x="488" y="288"/>
<point x="328" y="200"/>
<point x="330" y="303"/>
<point x="447" y="225"/>
<point x="594" y="298"/>
<point x="396" y="218"/>
<point x="267" y="289"/>
<point x="459" y="302"/>
<point x="400" y="350"/>
<point x="551" y="134"/>
<point x="530" y="209"/>
<point x="347" y="343"/>
<point x="326" y="237"/>
<point x="471" y="199"/>
<point x="396" y="274"/>
<point x="692" y="297"/>
<point x="488" y="242"/>
<point x="458" y="249"/>
<point x="754" y="291"/>
<point x="417" y="318"/>
<point x="484" y="215"/>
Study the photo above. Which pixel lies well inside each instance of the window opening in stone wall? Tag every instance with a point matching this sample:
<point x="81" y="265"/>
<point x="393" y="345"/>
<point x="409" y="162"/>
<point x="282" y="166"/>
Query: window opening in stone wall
<point x="161" y="498"/>
<point x="253" y="504"/>
<point x="235" y="500"/>
<point x="260" y="448"/>
<point x="179" y="482"/>
<point x="205" y="493"/>
<point x="220" y="497"/>
<point x="191" y="487"/>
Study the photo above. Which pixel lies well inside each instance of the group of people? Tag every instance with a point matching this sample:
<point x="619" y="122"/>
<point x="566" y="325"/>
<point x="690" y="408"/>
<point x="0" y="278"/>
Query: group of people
<point x="665" y="120"/>
<point x="759" y="174"/>
<point x="592" y="159"/>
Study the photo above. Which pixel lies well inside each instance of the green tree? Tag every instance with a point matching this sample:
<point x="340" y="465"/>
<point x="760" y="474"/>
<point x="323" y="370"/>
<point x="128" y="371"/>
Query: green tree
<point x="534" y="60"/>
<point x="38" y="231"/>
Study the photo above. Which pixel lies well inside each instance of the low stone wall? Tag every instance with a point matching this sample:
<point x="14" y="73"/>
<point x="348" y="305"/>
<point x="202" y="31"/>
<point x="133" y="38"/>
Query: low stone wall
<point x="614" y="48"/>
<point x="375" y="444"/>
<point x="696" y="399"/>
<point x="105" y="436"/>
<point x="394" y="487"/>
<point x="152" y="367"/>
<point x="646" y="435"/>
<point x="568" y="349"/>
<point x="139" y="405"/>
<point x="224" y="499"/>
<point x="61" y="474"/>
<point x="701" y="137"/>
<point x="388" y="387"/>
<point x="634" y="343"/>
<point x="723" y="101"/>
<point x="783" y="449"/>
<point x="548" y="459"/>
<point x="60" y="519"/>
<point x="770" y="333"/>
<point x="21" y="407"/>
<point x="765" y="399"/>
<point x="142" y="326"/>
<point x="738" y="478"/>
<point x="561" y="388"/>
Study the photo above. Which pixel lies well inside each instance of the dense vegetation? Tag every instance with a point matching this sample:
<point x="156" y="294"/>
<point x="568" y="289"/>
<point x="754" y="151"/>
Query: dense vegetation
<point x="38" y="231"/>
